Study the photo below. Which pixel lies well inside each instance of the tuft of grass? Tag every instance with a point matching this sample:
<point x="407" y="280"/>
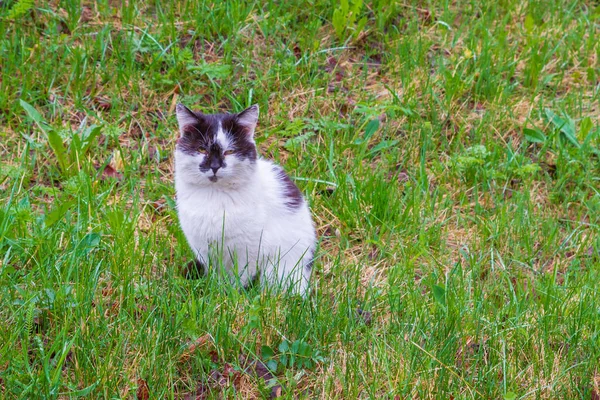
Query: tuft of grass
<point x="449" y="151"/>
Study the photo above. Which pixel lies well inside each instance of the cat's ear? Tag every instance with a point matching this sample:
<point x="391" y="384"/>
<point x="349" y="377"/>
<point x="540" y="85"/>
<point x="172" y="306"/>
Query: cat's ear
<point x="185" y="117"/>
<point x="248" y="118"/>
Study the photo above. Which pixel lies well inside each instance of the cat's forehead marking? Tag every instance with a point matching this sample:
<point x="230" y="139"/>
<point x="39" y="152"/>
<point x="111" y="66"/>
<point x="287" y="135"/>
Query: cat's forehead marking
<point x="221" y="137"/>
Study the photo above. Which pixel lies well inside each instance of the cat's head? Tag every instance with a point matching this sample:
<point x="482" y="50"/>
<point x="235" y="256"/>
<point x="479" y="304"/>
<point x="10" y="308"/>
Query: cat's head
<point x="216" y="149"/>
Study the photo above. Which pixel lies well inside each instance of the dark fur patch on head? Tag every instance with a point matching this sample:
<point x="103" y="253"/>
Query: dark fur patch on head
<point x="203" y="134"/>
<point x="200" y="134"/>
<point x="239" y="135"/>
<point x="293" y="196"/>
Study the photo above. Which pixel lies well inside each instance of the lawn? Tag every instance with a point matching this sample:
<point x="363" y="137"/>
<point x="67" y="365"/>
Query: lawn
<point x="450" y="151"/>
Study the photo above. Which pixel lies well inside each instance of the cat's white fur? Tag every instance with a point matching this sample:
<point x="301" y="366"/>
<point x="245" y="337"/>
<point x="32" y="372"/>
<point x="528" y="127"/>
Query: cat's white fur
<point x="242" y="219"/>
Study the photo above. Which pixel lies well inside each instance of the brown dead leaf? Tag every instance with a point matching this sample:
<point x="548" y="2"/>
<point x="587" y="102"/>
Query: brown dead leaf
<point x="255" y="367"/>
<point x="159" y="206"/>
<point x="102" y="103"/>
<point x="154" y="154"/>
<point x="332" y="62"/>
<point x="596" y="387"/>
<point x="400" y="173"/>
<point x="216" y="378"/>
<point x="226" y="377"/>
<point x="425" y="16"/>
<point x="590" y="251"/>
<point x="469" y="351"/>
<point x="297" y="52"/>
<point x="113" y="309"/>
<point x="63" y="28"/>
<point x="192" y="347"/>
<point x="110" y="173"/>
<point x="143" y="393"/>
<point x="374" y="253"/>
<point x="259" y="369"/>
<point x="140" y="310"/>
<point x="276" y="391"/>
<point x="403" y="176"/>
<point x="86" y="14"/>
<point x="107" y="291"/>
<point x="202" y="391"/>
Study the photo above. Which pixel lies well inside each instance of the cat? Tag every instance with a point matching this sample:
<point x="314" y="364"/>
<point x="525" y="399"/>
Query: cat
<point x="239" y="211"/>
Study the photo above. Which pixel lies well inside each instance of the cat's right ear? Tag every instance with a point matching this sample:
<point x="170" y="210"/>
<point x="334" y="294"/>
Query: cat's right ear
<point x="248" y="119"/>
<point x="185" y="117"/>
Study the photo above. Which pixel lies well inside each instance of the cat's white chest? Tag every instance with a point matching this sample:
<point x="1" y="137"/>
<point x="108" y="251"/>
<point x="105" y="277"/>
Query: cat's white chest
<point x="213" y="217"/>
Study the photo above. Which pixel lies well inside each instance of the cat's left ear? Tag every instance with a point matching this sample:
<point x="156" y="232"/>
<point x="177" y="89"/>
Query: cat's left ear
<point x="185" y="117"/>
<point x="248" y="118"/>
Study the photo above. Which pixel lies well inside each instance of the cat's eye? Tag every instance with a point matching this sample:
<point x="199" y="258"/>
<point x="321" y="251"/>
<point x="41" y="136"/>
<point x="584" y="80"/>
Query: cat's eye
<point x="228" y="152"/>
<point x="202" y="151"/>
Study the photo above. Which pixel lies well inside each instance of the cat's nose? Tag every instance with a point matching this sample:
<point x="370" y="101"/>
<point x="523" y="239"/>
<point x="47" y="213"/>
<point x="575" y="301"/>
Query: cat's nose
<point x="215" y="165"/>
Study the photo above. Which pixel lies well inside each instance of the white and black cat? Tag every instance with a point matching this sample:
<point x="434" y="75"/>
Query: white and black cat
<point x="238" y="209"/>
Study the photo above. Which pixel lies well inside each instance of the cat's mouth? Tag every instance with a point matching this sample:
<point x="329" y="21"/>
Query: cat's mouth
<point x="213" y="178"/>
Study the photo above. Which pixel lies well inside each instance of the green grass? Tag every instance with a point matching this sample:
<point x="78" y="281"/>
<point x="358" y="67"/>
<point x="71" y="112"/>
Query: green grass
<point x="462" y="138"/>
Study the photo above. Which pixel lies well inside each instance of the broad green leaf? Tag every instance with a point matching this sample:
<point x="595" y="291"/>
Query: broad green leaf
<point x="439" y="294"/>
<point x="284" y="346"/>
<point x="115" y="218"/>
<point x="266" y="352"/>
<point x="82" y="392"/>
<point x="585" y="127"/>
<point x="338" y="22"/>
<point x="211" y="70"/>
<point x="384" y="144"/>
<point x="284" y="360"/>
<point x="88" y="136"/>
<point x="370" y="130"/>
<point x="296" y="346"/>
<point x="534" y="135"/>
<point x="529" y="23"/>
<point x="406" y="111"/>
<point x="57" y="213"/>
<point x="74" y="147"/>
<point x="89" y="242"/>
<point x="56" y="143"/>
<point x="591" y="74"/>
<point x="35" y="116"/>
<point x="356" y="6"/>
<point x="304" y="349"/>
<point x="272" y="365"/>
<point x="59" y="370"/>
<point x="360" y="26"/>
<point x="295" y="142"/>
<point x="345" y="7"/>
<point x="589" y="135"/>
<point x="566" y="127"/>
